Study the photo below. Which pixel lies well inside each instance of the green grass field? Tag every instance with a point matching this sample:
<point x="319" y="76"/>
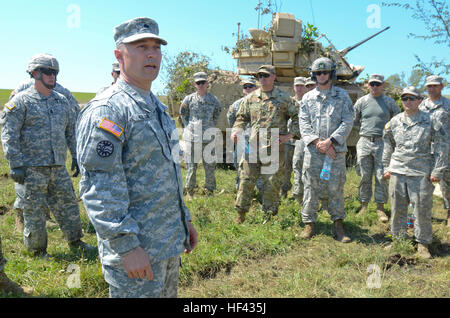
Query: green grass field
<point x="252" y="259"/>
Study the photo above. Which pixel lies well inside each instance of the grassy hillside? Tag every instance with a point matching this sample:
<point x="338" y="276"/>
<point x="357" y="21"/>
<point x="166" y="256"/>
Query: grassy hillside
<point x="252" y="259"/>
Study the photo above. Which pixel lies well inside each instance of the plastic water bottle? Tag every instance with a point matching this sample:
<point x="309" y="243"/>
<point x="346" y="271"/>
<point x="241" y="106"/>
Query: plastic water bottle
<point x="326" y="168"/>
<point x="410" y="218"/>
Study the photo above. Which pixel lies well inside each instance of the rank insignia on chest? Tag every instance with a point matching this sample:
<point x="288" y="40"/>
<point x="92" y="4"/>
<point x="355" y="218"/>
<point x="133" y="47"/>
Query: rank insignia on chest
<point x="113" y="128"/>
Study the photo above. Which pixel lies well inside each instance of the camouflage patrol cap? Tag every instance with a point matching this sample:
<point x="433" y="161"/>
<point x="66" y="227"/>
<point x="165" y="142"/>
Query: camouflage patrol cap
<point x="300" y="81"/>
<point x="250" y="81"/>
<point x="115" y="67"/>
<point x="309" y="81"/>
<point x="42" y="61"/>
<point x="433" y="80"/>
<point x="137" y="29"/>
<point x="323" y="64"/>
<point x="411" y="90"/>
<point x="376" y="78"/>
<point x="266" y="69"/>
<point x="200" y="76"/>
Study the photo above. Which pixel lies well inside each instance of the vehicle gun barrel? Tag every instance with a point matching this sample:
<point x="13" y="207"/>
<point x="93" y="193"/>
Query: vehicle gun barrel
<point x="345" y="51"/>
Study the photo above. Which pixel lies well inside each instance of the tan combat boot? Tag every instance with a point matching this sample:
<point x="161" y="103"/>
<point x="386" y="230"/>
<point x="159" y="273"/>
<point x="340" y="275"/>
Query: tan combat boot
<point x="18" y="228"/>
<point x="422" y="251"/>
<point x="363" y="208"/>
<point x="8" y="286"/>
<point x="308" y="231"/>
<point x="338" y="229"/>
<point x="189" y="195"/>
<point x="381" y="215"/>
<point x="240" y="218"/>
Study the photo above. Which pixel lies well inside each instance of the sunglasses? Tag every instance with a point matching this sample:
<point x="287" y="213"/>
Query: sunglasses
<point x="200" y="82"/>
<point x="407" y="98"/>
<point x="375" y="84"/>
<point x="265" y="75"/>
<point x="48" y="71"/>
<point x="321" y="72"/>
<point x="248" y="86"/>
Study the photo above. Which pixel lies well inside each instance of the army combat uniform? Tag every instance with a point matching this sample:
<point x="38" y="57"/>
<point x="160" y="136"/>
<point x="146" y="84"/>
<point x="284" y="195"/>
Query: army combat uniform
<point x="289" y="148"/>
<point x="199" y="113"/>
<point x="371" y="115"/>
<point x="75" y="109"/>
<point x="297" y="164"/>
<point x="407" y="155"/>
<point x="440" y="110"/>
<point x="264" y="110"/>
<point x="132" y="188"/>
<point x="36" y="133"/>
<point x="324" y="114"/>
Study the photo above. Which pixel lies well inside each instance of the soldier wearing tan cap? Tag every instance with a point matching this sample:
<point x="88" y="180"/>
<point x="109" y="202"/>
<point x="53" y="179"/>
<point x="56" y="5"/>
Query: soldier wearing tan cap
<point x="199" y="112"/>
<point x="439" y="107"/>
<point x="266" y="108"/>
<point x="310" y="84"/>
<point x="372" y="112"/>
<point x="412" y="166"/>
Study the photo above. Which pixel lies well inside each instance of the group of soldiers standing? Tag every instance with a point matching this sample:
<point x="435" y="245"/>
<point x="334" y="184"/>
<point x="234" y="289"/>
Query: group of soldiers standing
<point x="122" y="144"/>
<point x="408" y="148"/>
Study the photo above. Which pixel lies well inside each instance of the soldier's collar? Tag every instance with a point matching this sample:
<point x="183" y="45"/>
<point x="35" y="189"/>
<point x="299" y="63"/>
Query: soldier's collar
<point x="36" y="95"/>
<point x="416" y="118"/>
<point x="130" y="90"/>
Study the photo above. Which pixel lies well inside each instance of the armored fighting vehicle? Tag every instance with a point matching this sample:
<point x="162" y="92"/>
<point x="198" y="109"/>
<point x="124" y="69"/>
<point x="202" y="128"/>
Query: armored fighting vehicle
<point x="286" y="47"/>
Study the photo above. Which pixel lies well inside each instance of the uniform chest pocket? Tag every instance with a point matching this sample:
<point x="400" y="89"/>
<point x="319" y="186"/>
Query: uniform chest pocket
<point x="146" y="127"/>
<point x="58" y="116"/>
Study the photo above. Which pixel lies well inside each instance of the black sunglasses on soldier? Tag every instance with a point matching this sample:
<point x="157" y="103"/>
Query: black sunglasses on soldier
<point x="248" y="86"/>
<point x="200" y="82"/>
<point x="265" y="75"/>
<point x="48" y="71"/>
<point x="375" y="84"/>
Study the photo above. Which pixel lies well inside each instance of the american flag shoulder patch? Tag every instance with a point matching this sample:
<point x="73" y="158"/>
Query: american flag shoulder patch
<point x="10" y="106"/>
<point x="113" y="128"/>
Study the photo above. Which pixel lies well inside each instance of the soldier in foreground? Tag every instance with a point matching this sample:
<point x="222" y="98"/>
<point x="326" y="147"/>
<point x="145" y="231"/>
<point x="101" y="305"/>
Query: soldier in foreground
<point x="248" y="86"/>
<point x="372" y="112"/>
<point x="326" y="120"/>
<point x="297" y="160"/>
<point x="115" y="73"/>
<point x="19" y="188"/>
<point x="37" y="130"/>
<point x="439" y="107"/>
<point x="266" y="108"/>
<point x="412" y="168"/>
<point x="199" y="112"/>
<point x="131" y="186"/>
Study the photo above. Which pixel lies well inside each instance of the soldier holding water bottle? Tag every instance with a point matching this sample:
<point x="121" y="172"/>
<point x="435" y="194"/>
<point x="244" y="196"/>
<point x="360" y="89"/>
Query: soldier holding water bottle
<point x="326" y="120"/>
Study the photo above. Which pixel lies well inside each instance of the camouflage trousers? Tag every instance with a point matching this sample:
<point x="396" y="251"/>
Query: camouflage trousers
<point x="289" y="154"/>
<point x="369" y="163"/>
<point x="315" y="188"/>
<point x="419" y="191"/>
<point x="194" y="152"/>
<point x="445" y="186"/>
<point x="50" y="186"/>
<point x="163" y="285"/>
<point x="2" y="258"/>
<point x="297" y="164"/>
<point x="250" y="173"/>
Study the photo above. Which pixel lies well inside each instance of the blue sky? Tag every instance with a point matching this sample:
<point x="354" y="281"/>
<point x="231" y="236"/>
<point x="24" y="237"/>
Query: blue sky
<point x="84" y="47"/>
